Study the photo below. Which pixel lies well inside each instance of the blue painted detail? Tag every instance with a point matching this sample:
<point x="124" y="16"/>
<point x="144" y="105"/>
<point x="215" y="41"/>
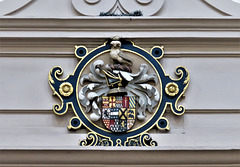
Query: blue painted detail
<point x="75" y="122"/>
<point x="157" y="52"/>
<point x="162" y="123"/>
<point x="142" y="140"/>
<point x="81" y="51"/>
<point x="95" y="140"/>
<point x="114" y="137"/>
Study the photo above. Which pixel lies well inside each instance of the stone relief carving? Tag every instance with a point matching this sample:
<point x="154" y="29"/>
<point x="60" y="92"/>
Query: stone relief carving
<point x="164" y="8"/>
<point x="8" y="6"/>
<point x="231" y="8"/>
<point x="94" y="7"/>
<point x="118" y="79"/>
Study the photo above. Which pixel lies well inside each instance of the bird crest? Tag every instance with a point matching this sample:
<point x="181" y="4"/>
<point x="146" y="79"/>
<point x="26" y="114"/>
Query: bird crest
<point x="117" y="99"/>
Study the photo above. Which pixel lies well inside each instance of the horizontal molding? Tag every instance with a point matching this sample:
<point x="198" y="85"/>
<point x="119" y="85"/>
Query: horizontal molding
<point x="202" y="93"/>
<point x="37" y="54"/>
<point x="92" y="42"/>
<point x="110" y="165"/>
<point x="89" y="27"/>
<point x="201" y="54"/>
<point x="167" y="54"/>
<point x="188" y="132"/>
<point x="117" y="22"/>
<point x="120" y="157"/>
<point x="119" y="32"/>
<point x="188" y="111"/>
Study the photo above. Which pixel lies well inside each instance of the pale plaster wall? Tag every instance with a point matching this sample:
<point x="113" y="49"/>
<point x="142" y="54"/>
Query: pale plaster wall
<point x="206" y="43"/>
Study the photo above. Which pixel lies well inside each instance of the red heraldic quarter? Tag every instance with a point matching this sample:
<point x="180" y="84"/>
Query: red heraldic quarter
<point x="118" y="112"/>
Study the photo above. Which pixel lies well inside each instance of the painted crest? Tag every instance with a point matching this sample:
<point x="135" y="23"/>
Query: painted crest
<point x="119" y="92"/>
<point x="118" y="113"/>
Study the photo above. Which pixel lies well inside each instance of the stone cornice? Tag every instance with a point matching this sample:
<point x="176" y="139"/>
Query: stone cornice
<point x="119" y="158"/>
<point x="127" y="27"/>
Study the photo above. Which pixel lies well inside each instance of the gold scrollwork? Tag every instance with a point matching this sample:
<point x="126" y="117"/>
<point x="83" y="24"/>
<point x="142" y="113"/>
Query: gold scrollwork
<point x="171" y="89"/>
<point x="103" y="142"/>
<point x="93" y="138"/>
<point x="66" y="89"/>
<point x="134" y="142"/>
<point x="142" y="140"/>
<point x="119" y="142"/>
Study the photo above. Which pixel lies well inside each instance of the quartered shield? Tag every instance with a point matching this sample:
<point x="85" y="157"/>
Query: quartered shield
<point x="118" y="112"/>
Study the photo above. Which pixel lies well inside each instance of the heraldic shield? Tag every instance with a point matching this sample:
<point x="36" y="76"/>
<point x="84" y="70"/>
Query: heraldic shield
<point x="118" y="112"/>
<point x="119" y="92"/>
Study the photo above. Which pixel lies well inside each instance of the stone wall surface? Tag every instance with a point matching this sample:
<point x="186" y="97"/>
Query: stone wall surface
<point x="202" y="35"/>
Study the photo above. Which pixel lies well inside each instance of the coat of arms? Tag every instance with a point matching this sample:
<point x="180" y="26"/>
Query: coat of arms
<point x="119" y="92"/>
<point x="118" y="113"/>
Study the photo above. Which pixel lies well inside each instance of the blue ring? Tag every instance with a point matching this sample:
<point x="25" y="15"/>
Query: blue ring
<point x="162" y="123"/>
<point x="157" y="52"/>
<point x="92" y="126"/>
<point x="81" y="51"/>
<point x="75" y="122"/>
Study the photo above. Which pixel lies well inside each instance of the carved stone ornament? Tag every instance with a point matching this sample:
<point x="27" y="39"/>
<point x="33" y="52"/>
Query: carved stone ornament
<point x="95" y="7"/>
<point x="118" y="91"/>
